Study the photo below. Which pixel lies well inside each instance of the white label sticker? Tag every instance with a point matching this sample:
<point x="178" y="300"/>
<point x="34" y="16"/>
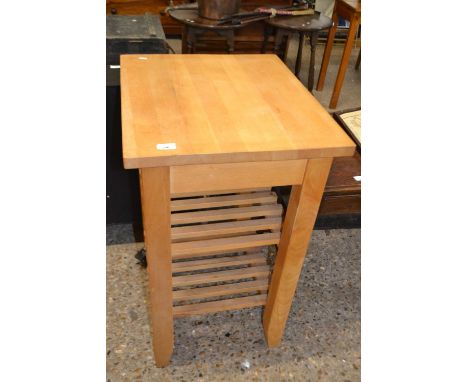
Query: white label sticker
<point x="166" y="146"/>
<point x="115" y="66"/>
<point x="357" y="178"/>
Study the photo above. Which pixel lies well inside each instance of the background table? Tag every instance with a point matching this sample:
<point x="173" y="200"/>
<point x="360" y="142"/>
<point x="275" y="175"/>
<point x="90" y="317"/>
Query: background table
<point x="349" y="10"/>
<point x="309" y="26"/>
<point x="212" y="124"/>
<point x="194" y="25"/>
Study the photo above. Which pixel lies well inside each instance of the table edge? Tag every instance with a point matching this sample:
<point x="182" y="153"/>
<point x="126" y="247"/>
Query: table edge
<point x="195" y="159"/>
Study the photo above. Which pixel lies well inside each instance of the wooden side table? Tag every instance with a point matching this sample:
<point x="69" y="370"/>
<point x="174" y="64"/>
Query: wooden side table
<point x="197" y="126"/>
<point x="304" y="25"/>
<point x="194" y="26"/>
<point x="349" y="10"/>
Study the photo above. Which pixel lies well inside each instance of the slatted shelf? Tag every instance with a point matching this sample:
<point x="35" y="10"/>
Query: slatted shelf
<point x="200" y="248"/>
<point x="220" y="305"/>
<point x="221" y="290"/>
<point x="219" y="262"/>
<point x="227" y="228"/>
<point x="217" y="249"/>
<point x="224" y="201"/>
<point x="268" y="210"/>
<point x="261" y="271"/>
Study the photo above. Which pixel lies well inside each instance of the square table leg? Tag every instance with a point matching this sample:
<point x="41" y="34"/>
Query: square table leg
<point x="300" y="218"/>
<point x="155" y="199"/>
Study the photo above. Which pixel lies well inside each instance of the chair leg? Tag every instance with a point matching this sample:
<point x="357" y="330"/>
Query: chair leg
<point x="313" y="44"/>
<point x="358" y="61"/>
<point x="266" y="35"/>
<point x="297" y="68"/>
<point x="327" y="52"/>
<point x="354" y="24"/>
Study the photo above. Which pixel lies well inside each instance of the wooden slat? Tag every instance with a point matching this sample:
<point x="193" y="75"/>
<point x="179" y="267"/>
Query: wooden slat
<point x="206" y="230"/>
<point x="220" y="192"/>
<point x="212" y="277"/>
<point x="219" y="262"/>
<point x="200" y="177"/>
<point x="221" y="305"/>
<point x="226" y="214"/>
<point x="224" y="201"/>
<point x="220" y="290"/>
<point x="225" y="245"/>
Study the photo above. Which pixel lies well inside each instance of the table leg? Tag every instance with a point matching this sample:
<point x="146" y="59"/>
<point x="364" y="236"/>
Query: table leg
<point x="184" y="40"/>
<point x="353" y="26"/>
<point x="268" y="31"/>
<point x="358" y="61"/>
<point x="191" y="39"/>
<point x="297" y="228"/>
<point x="279" y="37"/>
<point x="313" y="44"/>
<point x="327" y="52"/>
<point x="297" y="69"/>
<point x="155" y="199"/>
<point x="230" y="41"/>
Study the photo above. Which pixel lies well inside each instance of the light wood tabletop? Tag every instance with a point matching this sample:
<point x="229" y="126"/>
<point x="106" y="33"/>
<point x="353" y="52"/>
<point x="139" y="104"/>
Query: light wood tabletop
<point x="220" y="109"/>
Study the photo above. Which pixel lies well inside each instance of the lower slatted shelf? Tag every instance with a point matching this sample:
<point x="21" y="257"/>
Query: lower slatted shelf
<point x="221" y="290"/>
<point x="211" y="277"/>
<point x="217" y="242"/>
<point x="221" y="305"/>
<point x="219" y="262"/>
<point x="225" y="245"/>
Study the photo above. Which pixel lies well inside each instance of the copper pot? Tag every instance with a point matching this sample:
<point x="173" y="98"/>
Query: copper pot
<point x="218" y="9"/>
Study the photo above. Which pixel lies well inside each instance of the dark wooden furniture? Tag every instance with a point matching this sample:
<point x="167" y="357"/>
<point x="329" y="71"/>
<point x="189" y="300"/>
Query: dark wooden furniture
<point x="342" y="194"/>
<point x="349" y="10"/>
<point x="341" y="200"/>
<point x="123" y="36"/>
<point x="309" y="25"/>
<point x="195" y="26"/>
<point x="246" y="40"/>
<point x="133" y="34"/>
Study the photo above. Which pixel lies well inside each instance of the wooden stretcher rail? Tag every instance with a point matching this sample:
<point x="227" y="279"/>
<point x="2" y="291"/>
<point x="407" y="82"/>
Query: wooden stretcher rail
<point x="219" y="192"/>
<point x="200" y="178"/>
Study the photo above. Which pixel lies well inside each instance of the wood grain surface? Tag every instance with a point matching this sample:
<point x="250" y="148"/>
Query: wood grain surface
<point x="298" y="225"/>
<point x="221" y="109"/>
<point x="155" y="199"/>
<point x="205" y="177"/>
